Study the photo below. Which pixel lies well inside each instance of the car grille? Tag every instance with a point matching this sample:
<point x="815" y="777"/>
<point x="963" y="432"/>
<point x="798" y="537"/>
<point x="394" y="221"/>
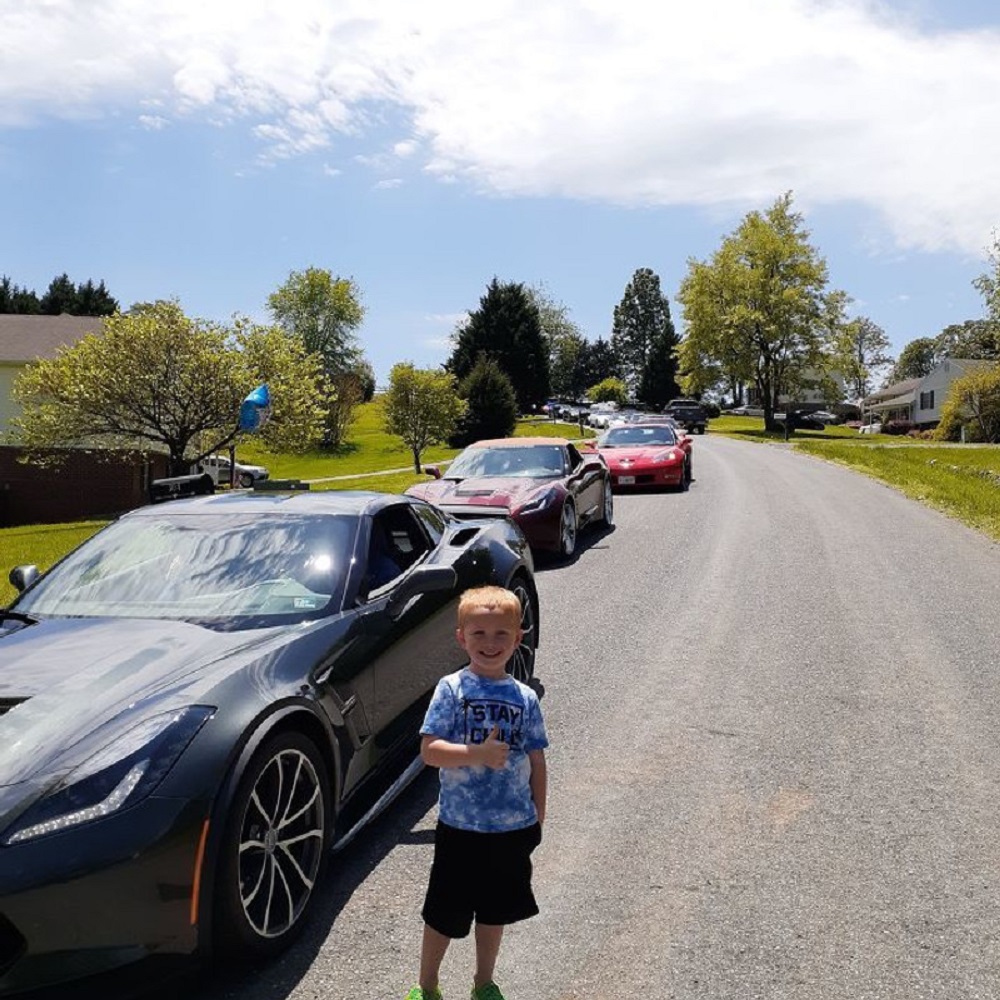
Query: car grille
<point x="12" y="944"/>
<point x="6" y="704"/>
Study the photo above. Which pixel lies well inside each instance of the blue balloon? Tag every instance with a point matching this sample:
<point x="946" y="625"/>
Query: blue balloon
<point x="254" y="408"/>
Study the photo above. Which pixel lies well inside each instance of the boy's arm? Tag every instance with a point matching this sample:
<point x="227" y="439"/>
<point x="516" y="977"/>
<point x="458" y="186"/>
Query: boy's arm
<point x="539" y="782"/>
<point x="437" y="752"/>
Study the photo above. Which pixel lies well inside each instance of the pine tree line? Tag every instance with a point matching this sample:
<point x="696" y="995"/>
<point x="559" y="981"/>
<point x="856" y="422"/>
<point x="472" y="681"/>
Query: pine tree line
<point x="62" y="296"/>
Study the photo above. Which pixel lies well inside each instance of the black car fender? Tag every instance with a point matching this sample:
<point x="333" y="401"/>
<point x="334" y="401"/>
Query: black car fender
<point x="297" y="715"/>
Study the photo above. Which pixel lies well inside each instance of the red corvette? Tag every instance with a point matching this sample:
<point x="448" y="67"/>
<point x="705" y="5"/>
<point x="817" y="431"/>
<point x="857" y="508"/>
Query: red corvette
<point x="646" y="454"/>
<point x="546" y="485"/>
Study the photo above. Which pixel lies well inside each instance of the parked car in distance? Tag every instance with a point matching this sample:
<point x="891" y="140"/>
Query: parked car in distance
<point x="221" y="471"/>
<point x="826" y="417"/>
<point x="646" y="455"/>
<point x="549" y="488"/>
<point x="200" y="699"/>
<point x="689" y="413"/>
<point x="601" y="414"/>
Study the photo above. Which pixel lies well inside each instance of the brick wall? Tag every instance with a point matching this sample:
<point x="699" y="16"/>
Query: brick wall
<point x="87" y="484"/>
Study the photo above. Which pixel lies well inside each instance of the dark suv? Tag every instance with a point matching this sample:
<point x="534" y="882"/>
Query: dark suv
<point x="688" y="413"/>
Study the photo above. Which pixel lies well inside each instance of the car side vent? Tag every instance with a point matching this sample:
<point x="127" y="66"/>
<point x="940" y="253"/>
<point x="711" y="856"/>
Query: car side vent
<point x="6" y="704"/>
<point x="463" y="536"/>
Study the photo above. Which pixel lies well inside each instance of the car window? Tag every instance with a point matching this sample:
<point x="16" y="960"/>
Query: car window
<point x="575" y="458"/>
<point x="637" y="435"/>
<point x="397" y="543"/>
<point x="537" y="461"/>
<point x="434" y="520"/>
<point x="232" y="567"/>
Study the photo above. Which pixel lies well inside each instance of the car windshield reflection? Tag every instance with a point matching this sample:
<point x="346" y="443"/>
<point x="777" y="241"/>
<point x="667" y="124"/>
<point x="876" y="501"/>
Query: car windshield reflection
<point x="540" y="461"/>
<point x="636" y="436"/>
<point x="202" y="567"/>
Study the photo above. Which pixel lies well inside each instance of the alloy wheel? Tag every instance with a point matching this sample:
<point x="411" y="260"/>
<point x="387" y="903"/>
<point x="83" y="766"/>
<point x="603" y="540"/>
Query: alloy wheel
<point x="609" y="504"/>
<point x="522" y="664"/>
<point x="281" y="843"/>
<point x="568" y="529"/>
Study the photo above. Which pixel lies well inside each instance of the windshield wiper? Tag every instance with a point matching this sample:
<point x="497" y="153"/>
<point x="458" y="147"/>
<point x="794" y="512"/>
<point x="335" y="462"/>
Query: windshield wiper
<point x="7" y="614"/>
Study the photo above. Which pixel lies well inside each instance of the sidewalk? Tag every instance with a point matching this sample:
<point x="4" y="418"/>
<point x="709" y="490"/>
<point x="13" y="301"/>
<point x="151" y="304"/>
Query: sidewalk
<point x="365" y="475"/>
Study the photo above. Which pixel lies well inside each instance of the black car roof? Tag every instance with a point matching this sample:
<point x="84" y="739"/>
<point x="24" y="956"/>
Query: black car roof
<point x="351" y="502"/>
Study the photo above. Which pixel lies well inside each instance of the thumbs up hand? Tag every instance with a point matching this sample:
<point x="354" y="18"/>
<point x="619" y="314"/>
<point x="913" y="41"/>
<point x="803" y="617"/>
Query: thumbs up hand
<point x="493" y="752"/>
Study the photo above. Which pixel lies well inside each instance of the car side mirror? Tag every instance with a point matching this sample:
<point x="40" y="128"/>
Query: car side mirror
<point x="422" y="580"/>
<point x="22" y="577"/>
<point x="434" y="471"/>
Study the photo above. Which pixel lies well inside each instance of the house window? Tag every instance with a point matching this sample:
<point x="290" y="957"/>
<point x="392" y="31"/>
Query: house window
<point x="927" y="400"/>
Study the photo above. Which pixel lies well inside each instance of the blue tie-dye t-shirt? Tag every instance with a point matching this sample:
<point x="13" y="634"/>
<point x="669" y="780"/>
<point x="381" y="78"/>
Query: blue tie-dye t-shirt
<point x="464" y="709"/>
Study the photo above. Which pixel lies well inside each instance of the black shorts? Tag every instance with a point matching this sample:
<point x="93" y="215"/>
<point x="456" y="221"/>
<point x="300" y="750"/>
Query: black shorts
<point x="484" y="877"/>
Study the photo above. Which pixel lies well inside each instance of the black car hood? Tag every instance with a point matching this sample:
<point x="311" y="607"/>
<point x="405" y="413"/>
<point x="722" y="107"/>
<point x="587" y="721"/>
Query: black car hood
<point x="62" y="678"/>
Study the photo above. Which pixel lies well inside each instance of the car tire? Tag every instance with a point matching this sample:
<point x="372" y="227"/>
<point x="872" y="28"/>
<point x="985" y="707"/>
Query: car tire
<point x="273" y="848"/>
<point x="521" y="665"/>
<point x="569" y="528"/>
<point x="246" y="480"/>
<point x="608" y="505"/>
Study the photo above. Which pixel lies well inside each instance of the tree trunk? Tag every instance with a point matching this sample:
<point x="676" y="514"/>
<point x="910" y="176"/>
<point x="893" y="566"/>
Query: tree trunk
<point x="416" y="460"/>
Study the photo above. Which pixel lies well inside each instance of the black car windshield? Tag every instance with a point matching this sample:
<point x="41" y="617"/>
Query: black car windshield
<point x="537" y="461"/>
<point x="637" y="435"/>
<point x="271" y="569"/>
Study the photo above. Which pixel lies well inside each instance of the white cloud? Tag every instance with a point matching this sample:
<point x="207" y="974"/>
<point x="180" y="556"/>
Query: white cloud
<point x="722" y="103"/>
<point x="388" y="183"/>
<point x="153" y="122"/>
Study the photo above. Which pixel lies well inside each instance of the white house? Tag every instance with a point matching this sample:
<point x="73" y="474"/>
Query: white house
<point x="919" y="400"/>
<point x="24" y="339"/>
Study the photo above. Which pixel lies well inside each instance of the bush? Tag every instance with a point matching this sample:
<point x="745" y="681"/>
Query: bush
<point x="898" y="427"/>
<point x="492" y="404"/>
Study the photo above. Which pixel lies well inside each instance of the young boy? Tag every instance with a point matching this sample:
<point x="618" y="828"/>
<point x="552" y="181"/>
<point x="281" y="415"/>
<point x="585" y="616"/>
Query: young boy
<point x="484" y="730"/>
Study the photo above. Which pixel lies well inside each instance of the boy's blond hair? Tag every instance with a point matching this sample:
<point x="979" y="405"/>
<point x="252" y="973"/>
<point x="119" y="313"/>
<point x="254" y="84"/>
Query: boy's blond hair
<point x="489" y="599"/>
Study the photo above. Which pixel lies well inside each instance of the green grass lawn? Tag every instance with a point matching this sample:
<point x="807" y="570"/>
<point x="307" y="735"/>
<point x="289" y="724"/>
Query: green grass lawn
<point x="752" y="429"/>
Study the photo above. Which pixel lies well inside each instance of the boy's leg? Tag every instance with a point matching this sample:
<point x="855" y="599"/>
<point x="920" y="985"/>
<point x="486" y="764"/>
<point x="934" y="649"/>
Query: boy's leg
<point x="488" y="937"/>
<point x="432" y="954"/>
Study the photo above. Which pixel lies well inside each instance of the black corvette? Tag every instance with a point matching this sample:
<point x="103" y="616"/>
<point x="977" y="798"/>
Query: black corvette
<point x="191" y="701"/>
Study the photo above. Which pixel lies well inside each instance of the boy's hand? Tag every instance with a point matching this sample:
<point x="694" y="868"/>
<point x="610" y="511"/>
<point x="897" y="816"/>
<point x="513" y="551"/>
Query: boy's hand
<point x="493" y="752"/>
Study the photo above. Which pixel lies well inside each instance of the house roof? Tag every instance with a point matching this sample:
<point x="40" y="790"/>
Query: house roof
<point x="893" y="401"/>
<point x="27" y="338"/>
<point x="890" y="391"/>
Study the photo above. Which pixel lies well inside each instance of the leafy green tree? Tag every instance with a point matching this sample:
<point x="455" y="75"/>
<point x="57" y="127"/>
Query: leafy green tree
<point x="60" y="297"/>
<point x="422" y="406"/>
<point x="862" y="351"/>
<point x="325" y="311"/>
<point x="915" y="360"/>
<point x="973" y="403"/>
<point x="507" y="326"/>
<point x="94" y="300"/>
<point x="492" y="404"/>
<point x="366" y="376"/>
<point x="988" y="283"/>
<point x="155" y="379"/>
<point x="642" y="326"/>
<point x="975" y="338"/>
<point x="609" y="390"/>
<point x="14" y="299"/>
<point x="758" y="306"/>
<point x="595" y="363"/>
<point x="563" y="340"/>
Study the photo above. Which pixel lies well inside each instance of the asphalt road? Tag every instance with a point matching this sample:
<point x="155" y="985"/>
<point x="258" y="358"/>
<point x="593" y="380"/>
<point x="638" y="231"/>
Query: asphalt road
<point x="774" y="709"/>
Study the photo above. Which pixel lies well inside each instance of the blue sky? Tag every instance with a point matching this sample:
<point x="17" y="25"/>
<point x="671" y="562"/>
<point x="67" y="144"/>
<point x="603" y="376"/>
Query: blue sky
<point x="205" y="150"/>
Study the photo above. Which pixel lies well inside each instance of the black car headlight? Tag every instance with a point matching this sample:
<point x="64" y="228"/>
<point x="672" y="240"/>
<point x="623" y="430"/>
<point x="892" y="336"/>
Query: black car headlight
<point x="120" y="773"/>
<point x="539" y="501"/>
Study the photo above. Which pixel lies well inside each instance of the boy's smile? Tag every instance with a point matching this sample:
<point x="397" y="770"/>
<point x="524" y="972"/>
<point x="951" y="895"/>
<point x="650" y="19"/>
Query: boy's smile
<point x="490" y="638"/>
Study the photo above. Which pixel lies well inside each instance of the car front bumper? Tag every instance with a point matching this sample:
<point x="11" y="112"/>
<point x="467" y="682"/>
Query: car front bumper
<point x="647" y="477"/>
<point x="99" y="896"/>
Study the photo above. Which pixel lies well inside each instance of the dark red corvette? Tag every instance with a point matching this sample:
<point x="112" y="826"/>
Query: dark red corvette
<point x="546" y="485"/>
<point x="646" y="455"/>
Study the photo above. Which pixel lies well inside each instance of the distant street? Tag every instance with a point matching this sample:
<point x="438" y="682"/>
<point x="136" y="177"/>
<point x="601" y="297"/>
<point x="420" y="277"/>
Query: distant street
<point x="774" y="707"/>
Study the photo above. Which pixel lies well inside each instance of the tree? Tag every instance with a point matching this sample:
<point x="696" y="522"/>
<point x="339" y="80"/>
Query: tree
<point x="563" y="340"/>
<point x="975" y="338"/>
<point x="324" y="310"/>
<point x="94" y="300"/>
<point x="60" y="297"/>
<point x="862" y="352"/>
<point x="156" y="379"/>
<point x="758" y="308"/>
<point x="492" y="404"/>
<point x="915" y="360"/>
<point x="612" y="390"/>
<point x="973" y="403"/>
<point x="506" y="326"/>
<point x="988" y="284"/>
<point x="422" y="406"/>
<point x="366" y="376"/>
<point x="642" y="326"/>
<point x="595" y="363"/>
<point x="658" y="382"/>
<point x="14" y="299"/>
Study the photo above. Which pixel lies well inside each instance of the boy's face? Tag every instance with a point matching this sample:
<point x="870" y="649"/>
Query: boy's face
<point x="490" y="638"/>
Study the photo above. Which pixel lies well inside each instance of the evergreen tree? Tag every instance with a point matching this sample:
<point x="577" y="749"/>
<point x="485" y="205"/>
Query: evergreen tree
<point x="492" y="404"/>
<point x="506" y="326"/>
<point x="595" y="363"/>
<point x="642" y="319"/>
<point x="14" y="299"/>
<point x="658" y="384"/>
<point x="94" y="300"/>
<point x="60" y="297"/>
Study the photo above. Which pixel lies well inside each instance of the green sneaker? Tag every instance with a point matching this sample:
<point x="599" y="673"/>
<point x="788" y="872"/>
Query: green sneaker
<point x="418" y="994"/>
<point x="488" y="992"/>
